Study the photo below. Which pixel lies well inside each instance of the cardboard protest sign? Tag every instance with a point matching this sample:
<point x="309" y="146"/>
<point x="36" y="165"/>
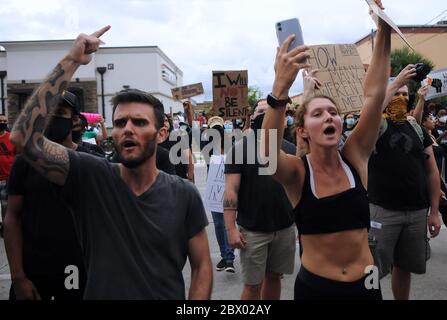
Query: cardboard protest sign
<point x="230" y="94"/>
<point x="341" y="73"/>
<point x="188" y="91"/>
<point x="379" y="12"/>
<point x="215" y="184"/>
<point x="437" y="80"/>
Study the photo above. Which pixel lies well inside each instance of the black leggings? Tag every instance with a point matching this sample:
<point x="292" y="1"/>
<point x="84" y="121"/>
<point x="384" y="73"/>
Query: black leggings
<point x="309" y="286"/>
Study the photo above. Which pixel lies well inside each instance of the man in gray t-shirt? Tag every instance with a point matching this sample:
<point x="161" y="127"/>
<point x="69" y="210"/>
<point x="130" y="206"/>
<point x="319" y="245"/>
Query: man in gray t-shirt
<point x="135" y="246"/>
<point x="136" y="224"/>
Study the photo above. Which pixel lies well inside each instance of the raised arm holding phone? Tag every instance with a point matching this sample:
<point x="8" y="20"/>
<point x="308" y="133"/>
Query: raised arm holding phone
<point x="327" y="188"/>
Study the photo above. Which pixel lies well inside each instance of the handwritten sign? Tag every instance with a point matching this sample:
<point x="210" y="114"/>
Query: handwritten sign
<point x="341" y="73"/>
<point x="230" y="94"/>
<point x="188" y="91"/>
<point x="379" y="12"/>
<point x="437" y="81"/>
<point x="215" y="184"/>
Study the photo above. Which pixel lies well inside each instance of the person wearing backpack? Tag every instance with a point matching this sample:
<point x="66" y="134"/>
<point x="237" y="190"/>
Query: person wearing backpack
<point x="403" y="190"/>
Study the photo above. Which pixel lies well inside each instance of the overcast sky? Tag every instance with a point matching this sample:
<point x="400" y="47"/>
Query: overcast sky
<point x="205" y="35"/>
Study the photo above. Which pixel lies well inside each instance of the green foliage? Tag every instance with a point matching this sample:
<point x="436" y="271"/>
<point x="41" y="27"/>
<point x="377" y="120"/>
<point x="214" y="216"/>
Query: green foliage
<point x="400" y="58"/>
<point x="442" y="101"/>
<point x="254" y="94"/>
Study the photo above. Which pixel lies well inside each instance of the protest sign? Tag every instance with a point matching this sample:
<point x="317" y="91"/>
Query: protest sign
<point x="188" y="91"/>
<point x="379" y="12"/>
<point x="215" y="184"/>
<point x="230" y="94"/>
<point x="437" y="81"/>
<point x="341" y="73"/>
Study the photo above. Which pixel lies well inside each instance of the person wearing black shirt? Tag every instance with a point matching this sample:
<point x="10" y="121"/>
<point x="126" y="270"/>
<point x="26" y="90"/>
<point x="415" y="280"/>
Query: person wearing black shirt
<point x="403" y="183"/>
<point x="265" y="233"/>
<point x="182" y="169"/>
<point x="79" y="126"/>
<point x="40" y="237"/>
<point x="428" y="123"/>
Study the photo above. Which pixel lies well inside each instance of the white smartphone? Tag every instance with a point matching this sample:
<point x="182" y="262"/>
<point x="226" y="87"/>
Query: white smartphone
<point x="288" y="27"/>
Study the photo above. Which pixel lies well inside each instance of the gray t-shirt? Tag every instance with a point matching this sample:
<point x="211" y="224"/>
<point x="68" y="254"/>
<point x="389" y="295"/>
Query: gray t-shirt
<point x="133" y="247"/>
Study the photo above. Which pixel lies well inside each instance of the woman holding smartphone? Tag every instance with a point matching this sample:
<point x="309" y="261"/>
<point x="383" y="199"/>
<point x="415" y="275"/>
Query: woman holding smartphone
<point x="326" y="187"/>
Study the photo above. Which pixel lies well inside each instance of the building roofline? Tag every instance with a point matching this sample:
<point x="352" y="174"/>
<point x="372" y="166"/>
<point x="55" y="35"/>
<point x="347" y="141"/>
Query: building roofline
<point x="410" y="29"/>
<point x="130" y="47"/>
<point x="37" y="41"/>
<point x="156" y="48"/>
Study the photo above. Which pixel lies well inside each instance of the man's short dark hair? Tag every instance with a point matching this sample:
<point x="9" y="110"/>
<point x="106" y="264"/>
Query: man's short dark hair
<point x="135" y="95"/>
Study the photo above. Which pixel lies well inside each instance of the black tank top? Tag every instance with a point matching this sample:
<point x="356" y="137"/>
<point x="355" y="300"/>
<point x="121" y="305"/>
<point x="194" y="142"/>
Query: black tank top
<point x="348" y="210"/>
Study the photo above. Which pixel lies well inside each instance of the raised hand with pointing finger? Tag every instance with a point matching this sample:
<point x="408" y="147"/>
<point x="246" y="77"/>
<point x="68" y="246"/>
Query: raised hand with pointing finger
<point x="85" y="45"/>
<point x="47" y="157"/>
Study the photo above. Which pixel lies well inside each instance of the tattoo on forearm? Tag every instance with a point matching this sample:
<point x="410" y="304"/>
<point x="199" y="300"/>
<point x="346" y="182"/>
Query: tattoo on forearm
<point x="230" y="204"/>
<point x="49" y="158"/>
<point x="56" y="74"/>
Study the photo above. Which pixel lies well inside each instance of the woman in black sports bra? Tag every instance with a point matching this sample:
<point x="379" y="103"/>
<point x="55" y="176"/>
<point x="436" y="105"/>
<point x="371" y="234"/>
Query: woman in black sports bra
<point x="327" y="187"/>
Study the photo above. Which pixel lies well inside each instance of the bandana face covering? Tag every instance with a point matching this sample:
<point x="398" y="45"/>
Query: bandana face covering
<point x="397" y="109"/>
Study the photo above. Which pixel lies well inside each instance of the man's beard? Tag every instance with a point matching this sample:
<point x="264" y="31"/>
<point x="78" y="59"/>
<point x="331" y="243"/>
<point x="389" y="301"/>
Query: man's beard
<point x="148" y="152"/>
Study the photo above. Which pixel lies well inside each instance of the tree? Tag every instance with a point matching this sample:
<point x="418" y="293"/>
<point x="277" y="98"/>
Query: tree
<point x="400" y="58"/>
<point x="254" y="94"/>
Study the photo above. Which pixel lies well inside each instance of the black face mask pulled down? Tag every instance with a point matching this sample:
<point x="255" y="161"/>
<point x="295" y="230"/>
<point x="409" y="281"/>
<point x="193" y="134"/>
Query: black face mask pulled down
<point x="3" y="126"/>
<point x="58" y="129"/>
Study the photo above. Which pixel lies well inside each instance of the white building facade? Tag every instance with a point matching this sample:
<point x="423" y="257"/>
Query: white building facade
<point x="27" y="63"/>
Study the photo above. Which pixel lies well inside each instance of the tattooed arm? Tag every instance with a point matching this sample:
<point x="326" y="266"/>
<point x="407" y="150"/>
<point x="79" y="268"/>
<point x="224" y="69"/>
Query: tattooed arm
<point x="232" y="183"/>
<point x="47" y="157"/>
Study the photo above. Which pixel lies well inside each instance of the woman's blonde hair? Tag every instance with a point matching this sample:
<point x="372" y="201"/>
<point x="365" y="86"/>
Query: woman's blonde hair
<point x="299" y="121"/>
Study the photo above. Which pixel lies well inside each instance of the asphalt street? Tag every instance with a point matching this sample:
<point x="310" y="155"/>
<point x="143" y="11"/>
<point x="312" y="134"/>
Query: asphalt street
<point x="228" y="286"/>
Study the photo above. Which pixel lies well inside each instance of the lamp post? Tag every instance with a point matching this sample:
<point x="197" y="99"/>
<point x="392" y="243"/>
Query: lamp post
<point x="101" y="71"/>
<point x="2" y="77"/>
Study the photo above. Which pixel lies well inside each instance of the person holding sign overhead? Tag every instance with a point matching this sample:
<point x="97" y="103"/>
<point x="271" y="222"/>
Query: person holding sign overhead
<point x="327" y="188"/>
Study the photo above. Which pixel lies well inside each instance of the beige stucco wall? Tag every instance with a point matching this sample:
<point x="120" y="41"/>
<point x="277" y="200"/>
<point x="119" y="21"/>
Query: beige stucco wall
<point x="430" y="45"/>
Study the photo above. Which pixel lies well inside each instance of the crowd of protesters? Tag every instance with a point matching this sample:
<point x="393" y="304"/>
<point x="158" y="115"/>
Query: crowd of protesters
<point x="357" y="190"/>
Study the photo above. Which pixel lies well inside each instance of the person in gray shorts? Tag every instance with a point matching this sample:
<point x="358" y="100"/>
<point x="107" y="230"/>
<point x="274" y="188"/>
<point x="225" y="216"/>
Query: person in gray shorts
<point x="265" y="234"/>
<point x="403" y="183"/>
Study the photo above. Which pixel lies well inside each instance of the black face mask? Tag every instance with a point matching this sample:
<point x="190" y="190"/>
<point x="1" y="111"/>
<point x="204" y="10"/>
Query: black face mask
<point x="3" y="126"/>
<point x="76" y="135"/>
<point x="257" y="123"/>
<point x="58" y="129"/>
